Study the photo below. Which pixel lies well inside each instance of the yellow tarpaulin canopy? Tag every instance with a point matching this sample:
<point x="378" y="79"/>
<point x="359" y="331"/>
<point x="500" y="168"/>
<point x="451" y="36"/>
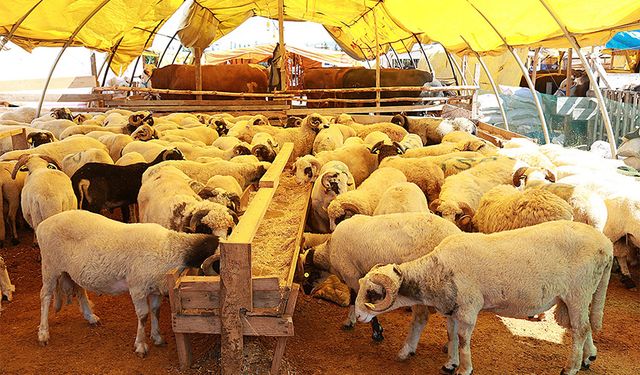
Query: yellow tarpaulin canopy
<point x="350" y="22"/>
<point x="264" y="51"/>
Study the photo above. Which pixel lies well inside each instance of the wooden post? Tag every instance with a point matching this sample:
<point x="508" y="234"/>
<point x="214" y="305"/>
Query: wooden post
<point x="536" y="60"/>
<point x="235" y="299"/>
<point x="569" y="66"/>
<point x="375" y="26"/>
<point x="183" y="340"/>
<point x="94" y="67"/>
<point x="284" y="82"/>
<point x="198" y="70"/>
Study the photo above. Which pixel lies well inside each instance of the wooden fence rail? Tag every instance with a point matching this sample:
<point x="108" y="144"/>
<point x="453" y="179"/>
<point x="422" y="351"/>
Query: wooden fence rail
<point x="624" y="110"/>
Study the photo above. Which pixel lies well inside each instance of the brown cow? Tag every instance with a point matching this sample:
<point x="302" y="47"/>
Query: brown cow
<point x="388" y="78"/>
<point x="324" y="78"/>
<point x="226" y="77"/>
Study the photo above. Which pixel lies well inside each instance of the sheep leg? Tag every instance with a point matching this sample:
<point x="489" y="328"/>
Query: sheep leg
<point x="625" y="278"/>
<point x="464" y="336"/>
<point x="580" y="329"/>
<point x="126" y="214"/>
<point x="46" y="293"/>
<point x="377" y="329"/>
<point x="85" y="306"/>
<point x="351" y="318"/>
<point x="11" y="219"/>
<point x="142" y="311"/>
<point x="420" y="319"/>
<point x="155" y="300"/>
<point x="452" y="347"/>
<point x="589" y="351"/>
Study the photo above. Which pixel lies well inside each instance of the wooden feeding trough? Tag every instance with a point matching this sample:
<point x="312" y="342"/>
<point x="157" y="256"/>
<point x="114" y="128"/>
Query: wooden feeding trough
<point x="254" y="294"/>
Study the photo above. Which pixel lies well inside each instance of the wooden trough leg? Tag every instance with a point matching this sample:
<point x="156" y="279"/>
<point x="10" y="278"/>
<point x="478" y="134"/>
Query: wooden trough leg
<point x="183" y="340"/>
<point x="236" y="298"/>
<point x="281" y="342"/>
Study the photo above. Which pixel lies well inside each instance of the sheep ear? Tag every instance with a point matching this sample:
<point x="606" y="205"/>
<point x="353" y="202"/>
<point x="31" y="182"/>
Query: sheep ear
<point x="376" y="148"/>
<point x="399" y="149"/>
<point x="518" y="176"/>
<point x="435" y="205"/>
<point x="550" y="176"/>
<point x="196" y="186"/>
<point x="466" y="209"/>
<point x="51" y="160"/>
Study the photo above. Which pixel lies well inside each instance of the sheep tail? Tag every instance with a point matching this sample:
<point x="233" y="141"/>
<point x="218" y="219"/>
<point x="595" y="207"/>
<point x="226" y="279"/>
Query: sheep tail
<point x="599" y="297"/>
<point x="65" y="287"/>
<point x="82" y="192"/>
<point x="561" y="315"/>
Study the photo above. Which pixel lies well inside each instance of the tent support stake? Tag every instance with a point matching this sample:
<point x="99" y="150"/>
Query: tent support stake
<point x="64" y="48"/>
<point x="596" y="89"/>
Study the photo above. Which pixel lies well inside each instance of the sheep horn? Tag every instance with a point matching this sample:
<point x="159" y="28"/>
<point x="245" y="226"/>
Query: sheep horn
<point x="376" y="148"/>
<point x="390" y="291"/>
<point x="399" y="149"/>
<point x="348" y="206"/>
<point x="466" y="209"/>
<point x="550" y="176"/>
<point x="435" y="205"/>
<point x="196" y="218"/>
<point x="518" y="175"/>
<point x="235" y="199"/>
<point x="21" y="161"/>
<point x="51" y="160"/>
<point x="30" y="137"/>
<point x="207" y="265"/>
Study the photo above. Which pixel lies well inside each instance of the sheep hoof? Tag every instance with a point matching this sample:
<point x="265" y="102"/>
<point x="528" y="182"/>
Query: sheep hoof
<point x="584" y="366"/>
<point x="377" y="336"/>
<point x="403" y="356"/>
<point x="445" y="370"/>
<point x="562" y="372"/>
<point x="142" y="349"/>
<point x="43" y="343"/>
<point x="347" y="326"/>
<point x="43" y="338"/>
<point x="159" y="342"/>
<point x="94" y="321"/>
<point x="627" y="282"/>
<point x="15" y="241"/>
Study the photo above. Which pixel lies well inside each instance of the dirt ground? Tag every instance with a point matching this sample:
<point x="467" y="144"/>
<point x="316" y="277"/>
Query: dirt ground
<point x="499" y="346"/>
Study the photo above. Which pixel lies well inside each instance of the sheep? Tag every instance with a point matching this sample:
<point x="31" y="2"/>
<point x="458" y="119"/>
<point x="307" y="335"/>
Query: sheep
<point x="504" y="207"/>
<point x="55" y="126"/>
<point x="85" y="129"/>
<point x="528" y="154"/>
<point x="334" y="179"/>
<point x="460" y="194"/>
<point x="144" y="133"/>
<point x="395" y="132"/>
<point x="432" y="129"/>
<point x="57" y="150"/>
<point x="192" y="152"/>
<point x="377" y="137"/>
<point x="47" y="190"/>
<point x="264" y="147"/>
<point x="588" y="207"/>
<point x="245" y="173"/>
<point x="200" y="133"/>
<point x="361" y="242"/>
<point x="450" y="147"/>
<point x="71" y="163"/>
<point x="471" y="272"/>
<point x="167" y="198"/>
<point x="104" y="185"/>
<point x="421" y="171"/>
<point x="10" y="195"/>
<point x="227" y="183"/>
<point x="6" y="288"/>
<point x="86" y="251"/>
<point x="131" y="158"/>
<point x="402" y="197"/>
<point x="20" y="114"/>
<point x="301" y="137"/>
<point x="115" y="143"/>
<point x="328" y="139"/>
<point x="365" y="198"/>
<point x="561" y="156"/>
<point x="357" y="157"/>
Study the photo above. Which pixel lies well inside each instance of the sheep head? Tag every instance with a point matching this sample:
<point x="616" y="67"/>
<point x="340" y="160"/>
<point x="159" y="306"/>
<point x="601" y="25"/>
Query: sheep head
<point x="259" y="120"/>
<point x="222" y="197"/>
<point x="523" y="175"/>
<point x="334" y="181"/>
<point x="340" y="210"/>
<point x="401" y="120"/>
<point x="138" y="119"/>
<point x="144" y="133"/>
<point x="242" y="149"/>
<point x="263" y="152"/>
<point x="62" y="114"/>
<point x="79" y="118"/>
<point x="31" y="162"/>
<point x="314" y="122"/>
<point x="211" y="218"/>
<point x="6" y="288"/>
<point x="384" y="151"/>
<point x="307" y="168"/>
<point x="459" y="213"/>
<point x="345" y="119"/>
<point x="36" y="139"/>
<point x="378" y="291"/>
<point x="293" y="122"/>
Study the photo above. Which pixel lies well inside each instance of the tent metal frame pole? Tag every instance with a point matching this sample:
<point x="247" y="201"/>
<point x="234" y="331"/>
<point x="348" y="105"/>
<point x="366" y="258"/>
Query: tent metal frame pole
<point x="135" y="66"/>
<point x="167" y="48"/>
<point x="176" y="55"/>
<point x="425" y="55"/>
<point x="413" y="64"/>
<point x="104" y="63"/>
<point x="375" y="26"/>
<point x="395" y="53"/>
<point x="386" y="56"/>
<point x="494" y="87"/>
<point x="451" y="64"/>
<point x="15" y="26"/>
<point x="64" y="48"/>
<point x="113" y="53"/>
<point x="364" y="55"/>
<point x="600" y="99"/>
<point x="457" y="68"/>
<point x="525" y="73"/>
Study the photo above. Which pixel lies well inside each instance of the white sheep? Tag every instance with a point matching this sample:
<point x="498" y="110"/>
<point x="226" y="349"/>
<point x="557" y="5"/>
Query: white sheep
<point x="86" y="129"/>
<point x="115" y="143"/>
<point x="471" y="272"/>
<point x="244" y="173"/>
<point x="376" y="137"/>
<point x="432" y="129"/>
<point x="20" y="114"/>
<point x="328" y="139"/>
<point x="85" y="251"/>
<point x="131" y="158"/>
<point x="365" y="198"/>
<point x="504" y="208"/>
<point x="47" y="190"/>
<point x="200" y="133"/>
<point x="334" y="179"/>
<point x="421" y="171"/>
<point x="58" y="150"/>
<point x="361" y="242"/>
<point x="402" y="197"/>
<point x="71" y="163"/>
<point x="227" y="183"/>
<point x="395" y="132"/>
<point x="11" y="190"/>
<point x="264" y="147"/>
<point x="6" y="288"/>
<point x="168" y="198"/>
<point x="357" y="157"/>
<point x="149" y="150"/>
<point x="55" y="126"/>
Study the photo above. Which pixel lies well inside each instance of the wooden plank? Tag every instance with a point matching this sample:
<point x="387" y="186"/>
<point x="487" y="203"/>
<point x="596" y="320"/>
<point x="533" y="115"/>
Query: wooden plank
<point x="19" y="141"/>
<point x="298" y="242"/>
<point x="281" y="343"/>
<point x="246" y="228"/>
<point x="271" y="178"/>
<point x="11" y="133"/>
<point x="505" y="134"/>
<point x="192" y="108"/>
<point x="55" y="83"/>
<point x="333" y="111"/>
<point x="251" y="325"/>
<point x="229" y="102"/>
<point x="390" y="100"/>
<point x="203" y="292"/>
<point x="246" y="195"/>
<point x="183" y="341"/>
<point x="66" y="98"/>
<point x="193" y="92"/>
<point x="383" y="89"/>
